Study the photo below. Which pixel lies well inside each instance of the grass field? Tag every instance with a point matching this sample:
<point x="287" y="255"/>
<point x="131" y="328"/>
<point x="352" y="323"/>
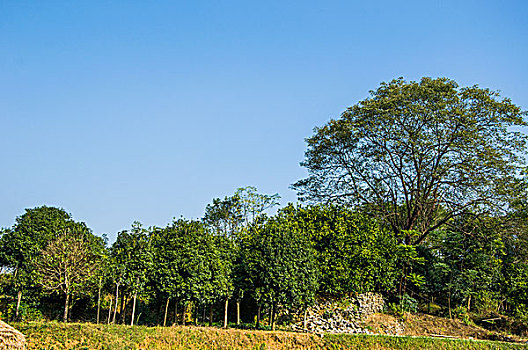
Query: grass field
<point x="54" y="335"/>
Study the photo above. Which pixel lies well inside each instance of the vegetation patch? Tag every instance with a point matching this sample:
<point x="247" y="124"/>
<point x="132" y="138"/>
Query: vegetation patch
<point x="53" y="335"/>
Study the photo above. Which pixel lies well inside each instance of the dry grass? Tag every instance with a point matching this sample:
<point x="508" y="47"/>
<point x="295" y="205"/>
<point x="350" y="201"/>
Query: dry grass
<point x="422" y="324"/>
<point x="53" y="335"/>
<point x="10" y="338"/>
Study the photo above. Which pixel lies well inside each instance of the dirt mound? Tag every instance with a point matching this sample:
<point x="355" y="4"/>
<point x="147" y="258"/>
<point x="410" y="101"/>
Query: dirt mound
<point x="428" y="325"/>
<point x="10" y="338"/>
<point x="422" y="324"/>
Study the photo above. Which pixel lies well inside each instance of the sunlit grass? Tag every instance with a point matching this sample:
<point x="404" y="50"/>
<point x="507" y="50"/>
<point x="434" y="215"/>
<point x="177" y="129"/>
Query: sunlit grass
<point x="54" y="335"/>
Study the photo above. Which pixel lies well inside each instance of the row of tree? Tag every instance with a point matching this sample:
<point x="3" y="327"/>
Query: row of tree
<point x="190" y="270"/>
<point x="195" y="263"/>
<point x="417" y="192"/>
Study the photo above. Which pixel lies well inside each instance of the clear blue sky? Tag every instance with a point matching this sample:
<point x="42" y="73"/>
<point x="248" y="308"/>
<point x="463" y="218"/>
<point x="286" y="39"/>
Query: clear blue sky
<point x="145" y="110"/>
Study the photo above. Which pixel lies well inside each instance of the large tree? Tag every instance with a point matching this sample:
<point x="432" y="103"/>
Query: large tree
<point x="191" y="264"/>
<point x="228" y="219"/>
<point x="23" y="243"/>
<point x="280" y="264"/>
<point x="419" y="154"/>
<point x="69" y="264"/>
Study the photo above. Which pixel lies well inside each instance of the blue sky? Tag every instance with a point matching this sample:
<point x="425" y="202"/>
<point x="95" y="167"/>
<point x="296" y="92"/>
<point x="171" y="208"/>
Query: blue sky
<point x="132" y="110"/>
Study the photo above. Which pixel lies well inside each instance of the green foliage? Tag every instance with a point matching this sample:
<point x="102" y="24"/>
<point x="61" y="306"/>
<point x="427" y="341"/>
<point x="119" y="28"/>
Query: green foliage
<point x="419" y="154"/>
<point x="280" y="263"/>
<point x="30" y="234"/>
<point x="464" y="267"/>
<point x="462" y="314"/>
<point x="22" y="245"/>
<point x="405" y="303"/>
<point x="229" y="215"/>
<point x="191" y="264"/>
<point x="67" y="264"/>
<point x="132" y="255"/>
<point x="354" y="253"/>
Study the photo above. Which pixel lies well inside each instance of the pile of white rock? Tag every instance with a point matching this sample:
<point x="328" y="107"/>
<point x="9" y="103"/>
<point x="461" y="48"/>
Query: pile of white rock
<point x="343" y="315"/>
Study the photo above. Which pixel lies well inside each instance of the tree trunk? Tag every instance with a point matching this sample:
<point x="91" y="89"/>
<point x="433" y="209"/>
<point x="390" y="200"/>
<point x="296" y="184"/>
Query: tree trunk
<point x="196" y="313"/>
<point x="122" y="312"/>
<point x="203" y="315"/>
<point x="166" y="310"/>
<point x="272" y="317"/>
<point x="225" y="312"/>
<point x="449" y="303"/>
<point x="66" y="306"/>
<point x="176" y="312"/>
<point x="211" y="315"/>
<point x="133" y="309"/>
<point x="98" y="302"/>
<point x="70" y="306"/>
<point x="116" y="301"/>
<point x="238" y="312"/>
<point x="183" y="313"/>
<point x="19" y="300"/>
<point x="305" y="322"/>
<point x="469" y="303"/>
<point x="258" y="316"/>
<point x="109" y="312"/>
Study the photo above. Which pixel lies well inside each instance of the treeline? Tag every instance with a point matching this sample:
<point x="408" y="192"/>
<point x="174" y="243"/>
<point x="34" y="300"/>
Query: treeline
<point x="418" y="192"/>
<point x="238" y="264"/>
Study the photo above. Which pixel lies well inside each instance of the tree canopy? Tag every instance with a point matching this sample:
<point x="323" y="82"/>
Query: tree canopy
<point x="419" y="154"/>
<point x="280" y="263"/>
<point x="68" y="264"/>
<point x="353" y="252"/>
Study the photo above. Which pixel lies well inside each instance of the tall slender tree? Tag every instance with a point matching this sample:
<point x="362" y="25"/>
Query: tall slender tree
<point x="132" y="250"/>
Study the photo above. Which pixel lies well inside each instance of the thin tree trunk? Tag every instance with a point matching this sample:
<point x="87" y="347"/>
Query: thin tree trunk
<point x="19" y="300"/>
<point x="258" y="316"/>
<point x="99" y="302"/>
<point x="449" y="303"/>
<point x="133" y="309"/>
<point x="225" y="312"/>
<point x="238" y="312"/>
<point x="469" y="303"/>
<point x="305" y="322"/>
<point x="166" y="310"/>
<point x="183" y="312"/>
<point x="116" y="301"/>
<point x="211" y="315"/>
<point x="122" y="313"/>
<point x="196" y="313"/>
<point x="176" y="312"/>
<point x="203" y="315"/>
<point x="273" y="317"/>
<point x="66" y="306"/>
<point x="109" y="311"/>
